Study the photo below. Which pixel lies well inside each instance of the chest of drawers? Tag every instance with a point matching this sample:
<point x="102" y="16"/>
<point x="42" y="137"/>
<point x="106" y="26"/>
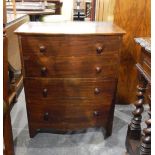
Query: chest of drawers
<point x="70" y="74"/>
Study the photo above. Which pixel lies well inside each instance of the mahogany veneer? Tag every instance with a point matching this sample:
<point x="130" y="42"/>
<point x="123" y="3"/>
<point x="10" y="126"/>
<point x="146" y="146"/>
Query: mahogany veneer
<point x="70" y="74"/>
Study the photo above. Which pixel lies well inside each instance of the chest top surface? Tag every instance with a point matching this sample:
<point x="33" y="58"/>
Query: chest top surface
<point x="69" y="28"/>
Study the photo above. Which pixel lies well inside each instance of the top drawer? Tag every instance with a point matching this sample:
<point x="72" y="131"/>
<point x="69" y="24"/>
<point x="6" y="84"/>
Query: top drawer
<point x="68" y="45"/>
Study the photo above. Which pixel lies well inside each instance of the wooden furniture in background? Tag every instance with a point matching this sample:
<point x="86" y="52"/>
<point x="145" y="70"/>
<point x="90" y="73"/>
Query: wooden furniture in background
<point x="57" y="3"/>
<point x="137" y="144"/>
<point x="79" y="10"/>
<point x="93" y="6"/>
<point x="70" y="77"/>
<point x="134" y="16"/>
<point x="35" y="14"/>
<point x="14" y="7"/>
<point x="13" y="22"/>
<point x="14" y="62"/>
<point x="7" y="129"/>
<point x="11" y="86"/>
<point x="86" y="11"/>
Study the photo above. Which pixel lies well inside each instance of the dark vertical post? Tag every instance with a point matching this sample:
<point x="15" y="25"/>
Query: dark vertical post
<point x="145" y="147"/>
<point x="134" y="128"/>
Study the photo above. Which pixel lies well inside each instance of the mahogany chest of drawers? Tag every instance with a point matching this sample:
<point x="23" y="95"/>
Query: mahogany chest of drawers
<point x="70" y="74"/>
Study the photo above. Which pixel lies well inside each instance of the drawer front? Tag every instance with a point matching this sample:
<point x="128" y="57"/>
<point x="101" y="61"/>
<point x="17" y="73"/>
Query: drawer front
<point x="72" y="67"/>
<point x="65" y="91"/>
<point x="105" y="99"/>
<point x="68" y="116"/>
<point x="69" y="45"/>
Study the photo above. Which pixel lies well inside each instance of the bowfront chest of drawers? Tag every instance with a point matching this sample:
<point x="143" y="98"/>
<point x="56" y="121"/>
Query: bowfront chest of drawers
<point x="70" y="74"/>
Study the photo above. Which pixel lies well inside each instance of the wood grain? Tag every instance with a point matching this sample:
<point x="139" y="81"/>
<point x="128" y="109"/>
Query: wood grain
<point x="70" y="88"/>
<point x="70" y="28"/>
<point x="70" y="83"/>
<point x="136" y="141"/>
<point x="13" y="45"/>
<point x="7" y="134"/>
<point x="73" y="67"/>
<point x="104" y="10"/>
<point x="134" y="17"/>
<point x="4" y="13"/>
<point x="55" y="45"/>
<point x="70" y="118"/>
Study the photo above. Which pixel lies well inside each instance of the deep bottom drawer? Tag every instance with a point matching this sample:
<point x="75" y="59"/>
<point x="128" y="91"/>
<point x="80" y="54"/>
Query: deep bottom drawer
<point x="68" y="117"/>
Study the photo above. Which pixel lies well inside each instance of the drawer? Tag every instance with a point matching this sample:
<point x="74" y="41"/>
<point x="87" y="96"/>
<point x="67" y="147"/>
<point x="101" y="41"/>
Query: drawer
<point x="65" y="91"/>
<point x="69" y="45"/>
<point x="72" y="67"/>
<point x="105" y="99"/>
<point x="68" y="116"/>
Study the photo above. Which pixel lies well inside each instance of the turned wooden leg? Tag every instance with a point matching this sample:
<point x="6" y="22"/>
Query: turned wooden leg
<point x="145" y="147"/>
<point x="134" y="128"/>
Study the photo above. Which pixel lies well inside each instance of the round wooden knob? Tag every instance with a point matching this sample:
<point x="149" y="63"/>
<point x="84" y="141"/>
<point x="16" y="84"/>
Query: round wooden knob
<point x="96" y="91"/>
<point x="98" y="69"/>
<point x="43" y="71"/>
<point x="46" y="116"/>
<point x="45" y="91"/>
<point x="99" y="49"/>
<point x="42" y="49"/>
<point x="96" y="113"/>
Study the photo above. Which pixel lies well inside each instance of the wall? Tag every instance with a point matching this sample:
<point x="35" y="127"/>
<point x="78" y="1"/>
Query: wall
<point x="67" y="9"/>
<point x="104" y="10"/>
<point x="134" y="16"/>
